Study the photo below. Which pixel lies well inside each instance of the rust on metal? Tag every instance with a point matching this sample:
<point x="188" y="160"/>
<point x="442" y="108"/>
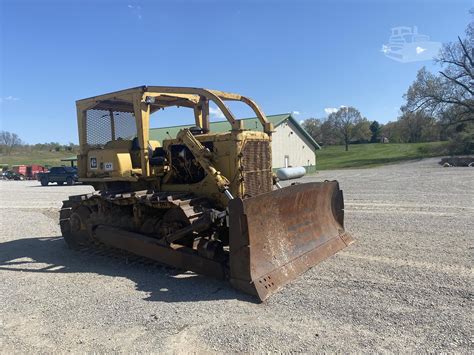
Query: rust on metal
<point x="257" y="168"/>
<point x="174" y="255"/>
<point x="201" y="201"/>
<point x="275" y="237"/>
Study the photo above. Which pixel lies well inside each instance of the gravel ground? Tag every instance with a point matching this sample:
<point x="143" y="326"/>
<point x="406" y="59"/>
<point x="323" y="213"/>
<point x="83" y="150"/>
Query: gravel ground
<point x="405" y="285"/>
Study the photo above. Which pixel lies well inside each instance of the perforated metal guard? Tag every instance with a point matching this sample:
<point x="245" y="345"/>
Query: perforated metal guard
<point x="99" y="126"/>
<point x="125" y="126"/>
<point x="257" y="171"/>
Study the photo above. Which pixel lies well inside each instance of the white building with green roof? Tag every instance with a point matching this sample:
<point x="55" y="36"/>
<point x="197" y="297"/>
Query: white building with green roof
<point x="291" y="144"/>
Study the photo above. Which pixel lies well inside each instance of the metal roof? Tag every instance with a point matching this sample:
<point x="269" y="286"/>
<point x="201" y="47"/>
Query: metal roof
<point x="74" y="158"/>
<point x="162" y="133"/>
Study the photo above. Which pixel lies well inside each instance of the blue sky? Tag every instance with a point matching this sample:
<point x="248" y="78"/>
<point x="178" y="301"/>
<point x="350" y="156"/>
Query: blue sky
<point x="303" y="56"/>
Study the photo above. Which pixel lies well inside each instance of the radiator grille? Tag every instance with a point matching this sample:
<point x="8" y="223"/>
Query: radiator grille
<point x="257" y="168"/>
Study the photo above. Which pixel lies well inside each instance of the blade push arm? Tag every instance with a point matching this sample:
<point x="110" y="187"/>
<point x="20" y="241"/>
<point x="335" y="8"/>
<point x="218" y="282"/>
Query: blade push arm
<point x="203" y="157"/>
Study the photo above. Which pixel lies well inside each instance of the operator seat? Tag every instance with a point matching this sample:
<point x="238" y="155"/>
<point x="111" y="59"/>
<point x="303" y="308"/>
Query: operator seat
<point x="156" y="154"/>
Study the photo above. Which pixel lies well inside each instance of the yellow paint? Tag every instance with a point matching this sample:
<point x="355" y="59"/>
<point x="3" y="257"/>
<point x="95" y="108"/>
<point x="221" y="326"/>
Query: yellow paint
<point x="128" y="159"/>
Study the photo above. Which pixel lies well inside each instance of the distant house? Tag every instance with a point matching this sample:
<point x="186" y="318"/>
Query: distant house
<point x="291" y="144"/>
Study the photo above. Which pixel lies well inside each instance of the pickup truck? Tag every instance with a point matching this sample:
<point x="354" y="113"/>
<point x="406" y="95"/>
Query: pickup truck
<point x="59" y="175"/>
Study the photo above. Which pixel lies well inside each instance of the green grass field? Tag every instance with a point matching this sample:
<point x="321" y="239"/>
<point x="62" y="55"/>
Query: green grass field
<point x="331" y="157"/>
<point x="42" y="157"/>
<point x="369" y="155"/>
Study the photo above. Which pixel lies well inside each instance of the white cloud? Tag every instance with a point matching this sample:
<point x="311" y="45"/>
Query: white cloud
<point x="296" y="113"/>
<point x="215" y="112"/>
<point x="9" y="98"/>
<point x="330" y="110"/>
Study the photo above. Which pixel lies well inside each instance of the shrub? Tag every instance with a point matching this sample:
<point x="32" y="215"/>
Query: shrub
<point x="462" y="143"/>
<point x="433" y="150"/>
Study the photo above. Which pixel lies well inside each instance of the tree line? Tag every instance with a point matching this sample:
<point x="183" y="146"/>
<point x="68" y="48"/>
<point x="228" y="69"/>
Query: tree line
<point x="438" y="106"/>
<point x="344" y="126"/>
<point x="347" y="126"/>
<point x="10" y="142"/>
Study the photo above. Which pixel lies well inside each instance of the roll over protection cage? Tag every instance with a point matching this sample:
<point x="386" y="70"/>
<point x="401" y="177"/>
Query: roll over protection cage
<point x="145" y="100"/>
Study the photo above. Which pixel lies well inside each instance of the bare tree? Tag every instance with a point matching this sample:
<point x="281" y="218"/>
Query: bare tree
<point x="9" y="140"/>
<point x="345" y="121"/>
<point x="313" y="127"/>
<point x="322" y="130"/>
<point x="452" y="87"/>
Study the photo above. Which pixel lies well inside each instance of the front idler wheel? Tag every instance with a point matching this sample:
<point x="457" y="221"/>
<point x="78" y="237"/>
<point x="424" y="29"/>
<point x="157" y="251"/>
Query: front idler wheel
<point x="76" y="233"/>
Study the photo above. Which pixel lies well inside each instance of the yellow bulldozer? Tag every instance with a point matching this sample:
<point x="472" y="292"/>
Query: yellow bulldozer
<point x="201" y="201"/>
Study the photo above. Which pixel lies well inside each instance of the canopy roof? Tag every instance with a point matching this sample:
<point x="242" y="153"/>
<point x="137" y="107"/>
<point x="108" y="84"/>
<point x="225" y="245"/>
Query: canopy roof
<point x="159" y="97"/>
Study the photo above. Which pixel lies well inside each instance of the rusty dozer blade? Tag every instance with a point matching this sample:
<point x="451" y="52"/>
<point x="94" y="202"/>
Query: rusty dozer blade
<point x="275" y="237"/>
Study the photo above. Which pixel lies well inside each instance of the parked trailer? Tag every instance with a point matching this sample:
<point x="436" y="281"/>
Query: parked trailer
<point x="35" y="169"/>
<point x="20" y="170"/>
<point x="29" y="172"/>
